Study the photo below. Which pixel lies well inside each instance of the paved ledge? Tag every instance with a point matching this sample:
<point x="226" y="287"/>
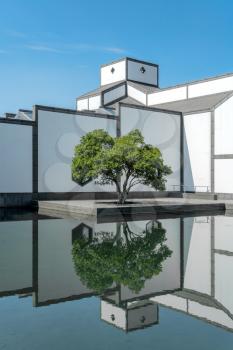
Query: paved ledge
<point x="145" y="206"/>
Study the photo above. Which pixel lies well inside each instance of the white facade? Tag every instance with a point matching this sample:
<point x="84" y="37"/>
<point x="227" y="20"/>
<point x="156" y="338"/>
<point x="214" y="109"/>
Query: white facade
<point x="59" y="132"/>
<point x="197" y="152"/>
<point x="15" y="158"/>
<point x="129" y="69"/>
<point x="160" y="129"/>
<point x="192" y="124"/>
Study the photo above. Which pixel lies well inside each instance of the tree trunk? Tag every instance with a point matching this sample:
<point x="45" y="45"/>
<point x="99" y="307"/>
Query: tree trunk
<point x="122" y="196"/>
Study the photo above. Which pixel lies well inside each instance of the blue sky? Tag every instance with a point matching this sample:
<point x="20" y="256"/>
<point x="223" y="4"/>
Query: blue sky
<point x="50" y="50"/>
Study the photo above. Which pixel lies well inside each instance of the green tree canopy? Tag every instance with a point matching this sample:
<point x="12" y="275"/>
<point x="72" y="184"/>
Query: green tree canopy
<point x="125" y="161"/>
<point x="127" y="258"/>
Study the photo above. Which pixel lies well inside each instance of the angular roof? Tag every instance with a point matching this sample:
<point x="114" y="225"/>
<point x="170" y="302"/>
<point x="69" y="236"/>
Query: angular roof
<point x="99" y="90"/>
<point x="195" y="104"/>
<point x="147" y="89"/>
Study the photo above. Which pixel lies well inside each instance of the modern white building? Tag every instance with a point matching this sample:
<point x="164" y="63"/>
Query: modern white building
<point x="192" y="124"/>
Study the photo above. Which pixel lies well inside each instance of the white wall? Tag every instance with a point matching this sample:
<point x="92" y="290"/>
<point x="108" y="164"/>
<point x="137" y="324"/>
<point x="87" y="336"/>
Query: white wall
<point x="108" y="309"/>
<point x="94" y="102"/>
<point x="150" y="76"/>
<point x="224" y="280"/>
<point x="57" y="278"/>
<point x="197" y="151"/>
<point x="107" y="77"/>
<point x="159" y="129"/>
<point x="82" y="104"/>
<point x="169" y="277"/>
<point x="197" y="254"/>
<point x="210" y="87"/>
<point x="136" y="94"/>
<point x="223" y="176"/>
<point x="223" y="118"/>
<point x="15" y="255"/>
<point x="15" y="158"/>
<point x="58" y="135"/>
<point x="114" y="94"/>
<point x="169" y="95"/>
<point x="224" y="233"/>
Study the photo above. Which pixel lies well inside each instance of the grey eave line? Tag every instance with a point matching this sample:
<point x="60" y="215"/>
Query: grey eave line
<point x="98" y="91"/>
<point x="142" y="87"/>
<point x="223" y="100"/>
<point x="126" y="58"/>
<point x="121" y="100"/>
<point x="25" y="110"/>
<point x="223" y="156"/>
<point x="198" y="111"/>
<point x="73" y="111"/>
<point x="193" y="82"/>
<point x="200" y="99"/>
<point x="17" y="121"/>
<point x="154" y="109"/>
<point x="223" y="252"/>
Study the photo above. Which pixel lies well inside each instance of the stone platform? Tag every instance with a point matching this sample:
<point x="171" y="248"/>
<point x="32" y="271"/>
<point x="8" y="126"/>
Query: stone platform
<point x="146" y="206"/>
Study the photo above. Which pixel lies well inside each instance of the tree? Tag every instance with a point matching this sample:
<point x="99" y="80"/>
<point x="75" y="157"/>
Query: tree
<point x="127" y="258"/>
<point x="125" y="161"/>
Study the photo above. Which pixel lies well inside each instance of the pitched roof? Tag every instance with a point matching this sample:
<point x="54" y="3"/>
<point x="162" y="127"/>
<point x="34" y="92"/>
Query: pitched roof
<point x="147" y="89"/>
<point x="195" y="104"/>
<point x="99" y="90"/>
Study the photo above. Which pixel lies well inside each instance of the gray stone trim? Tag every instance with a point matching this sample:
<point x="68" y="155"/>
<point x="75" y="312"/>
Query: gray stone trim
<point x="17" y="121"/>
<point x="223" y="252"/>
<point x="182" y="267"/>
<point x="16" y="292"/>
<point x="147" y="84"/>
<point x="129" y="59"/>
<point x="111" y="89"/>
<point x="44" y="196"/>
<point x="118" y="112"/>
<point x="112" y="62"/>
<point x="142" y="62"/>
<point x="198" y="111"/>
<point x="224" y="195"/>
<point x="212" y="242"/>
<point x="182" y="153"/>
<point x="25" y="110"/>
<point x="35" y="254"/>
<point x="153" y="109"/>
<point x="223" y="100"/>
<point x="223" y="156"/>
<point x="14" y="200"/>
<point x="203" y="80"/>
<point x="73" y="111"/>
<point x="212" y="148"/>
<point x="35" y="155"/>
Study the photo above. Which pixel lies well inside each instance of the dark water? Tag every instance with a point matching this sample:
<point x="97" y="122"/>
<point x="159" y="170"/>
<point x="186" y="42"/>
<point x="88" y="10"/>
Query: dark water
<point x="150" y="283"/>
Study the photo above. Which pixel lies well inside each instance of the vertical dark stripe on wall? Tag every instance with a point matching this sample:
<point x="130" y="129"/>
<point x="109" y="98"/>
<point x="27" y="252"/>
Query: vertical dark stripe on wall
<point x="35" y="155"/>
<point x="126" y="68"/>
<point x="118" y="116"/>
<point x="212" y="256"/>
<point x="35" y="260"/>
<point x="212" y="147"/>
<point x="181" y="253"/>
<point x="181" y="152"/>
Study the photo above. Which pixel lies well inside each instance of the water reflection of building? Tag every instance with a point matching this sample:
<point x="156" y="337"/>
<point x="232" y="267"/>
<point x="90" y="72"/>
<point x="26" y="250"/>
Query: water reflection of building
<point x="130" y="316"/>
<point x="35" y="259"/>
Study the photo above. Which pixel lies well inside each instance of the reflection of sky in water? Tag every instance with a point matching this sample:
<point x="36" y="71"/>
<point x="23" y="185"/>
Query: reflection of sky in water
<point x="37" y="276"/>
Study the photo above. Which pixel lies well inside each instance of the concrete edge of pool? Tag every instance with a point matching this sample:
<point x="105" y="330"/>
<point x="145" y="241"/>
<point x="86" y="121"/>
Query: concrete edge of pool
<point x="146" y="206"/>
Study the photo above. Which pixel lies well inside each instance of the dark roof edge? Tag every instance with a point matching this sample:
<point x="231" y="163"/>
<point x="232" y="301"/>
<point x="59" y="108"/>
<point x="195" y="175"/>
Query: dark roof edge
<point x="126" y="58"/>
<point x="193" y="82"/>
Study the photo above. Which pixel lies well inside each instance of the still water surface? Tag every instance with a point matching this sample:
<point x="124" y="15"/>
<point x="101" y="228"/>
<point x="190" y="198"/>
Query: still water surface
<point x="156" y="283"/>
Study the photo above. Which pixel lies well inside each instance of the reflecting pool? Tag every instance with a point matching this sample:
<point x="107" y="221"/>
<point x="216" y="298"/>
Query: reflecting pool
<point x="156" y="282"/>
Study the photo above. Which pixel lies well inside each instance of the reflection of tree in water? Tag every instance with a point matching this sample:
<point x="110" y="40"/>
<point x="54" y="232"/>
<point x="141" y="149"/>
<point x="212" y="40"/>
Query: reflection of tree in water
<point x="126" y="258"/>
